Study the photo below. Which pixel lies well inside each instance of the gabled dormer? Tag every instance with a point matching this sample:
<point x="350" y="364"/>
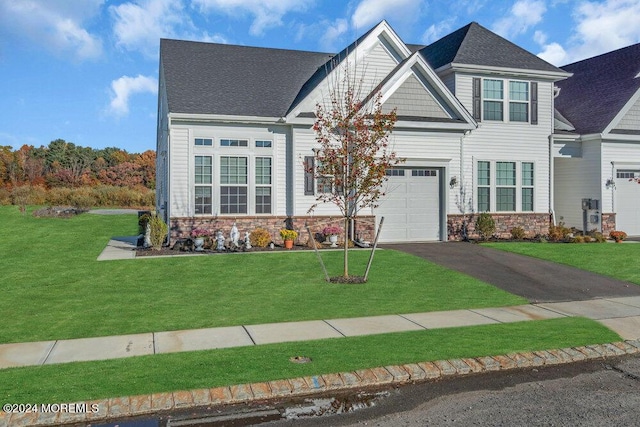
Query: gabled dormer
<point x="367" y="62"/>
<point x="495" y="79"/>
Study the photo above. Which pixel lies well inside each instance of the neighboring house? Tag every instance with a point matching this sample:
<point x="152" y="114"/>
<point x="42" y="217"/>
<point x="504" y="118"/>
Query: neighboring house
<point x="475" y="112"/>
<point x="597" y="142"/>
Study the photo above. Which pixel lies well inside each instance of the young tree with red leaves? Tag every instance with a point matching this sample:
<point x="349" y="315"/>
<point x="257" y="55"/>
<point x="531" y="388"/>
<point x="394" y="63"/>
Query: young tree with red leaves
<point x="354" y="152"/>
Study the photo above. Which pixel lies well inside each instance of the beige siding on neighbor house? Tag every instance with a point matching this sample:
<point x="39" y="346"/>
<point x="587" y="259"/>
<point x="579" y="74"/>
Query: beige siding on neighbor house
<point x="413" y="99"/>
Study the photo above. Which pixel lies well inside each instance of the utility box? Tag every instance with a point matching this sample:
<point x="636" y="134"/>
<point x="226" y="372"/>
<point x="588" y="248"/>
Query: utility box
<point x="591" y="215"/>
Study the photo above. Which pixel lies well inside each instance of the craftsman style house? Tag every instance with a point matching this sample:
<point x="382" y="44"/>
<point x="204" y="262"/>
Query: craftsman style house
<point x="477" y="128"/>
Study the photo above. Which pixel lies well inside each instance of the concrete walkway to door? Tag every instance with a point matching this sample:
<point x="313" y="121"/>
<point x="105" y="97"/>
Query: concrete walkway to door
<point x="531" y="278"/>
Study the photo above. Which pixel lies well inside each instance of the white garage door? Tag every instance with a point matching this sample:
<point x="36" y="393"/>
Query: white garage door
<point x="628" y="202"/>
<point x="411" y="205"/>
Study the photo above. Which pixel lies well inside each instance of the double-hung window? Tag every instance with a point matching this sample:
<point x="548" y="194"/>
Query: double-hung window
<point x="505" y="186"/>
<point x="493" y="96"/>
<point x="203" y="184"/>
<point x="263" y="185"/>
<point x="484" y="186"/>
<point x="234" y="173"/>
<point x="518" y="101"/>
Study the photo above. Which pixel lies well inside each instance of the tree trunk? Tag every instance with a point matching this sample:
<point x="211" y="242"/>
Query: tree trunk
<point x="346" y="246"/>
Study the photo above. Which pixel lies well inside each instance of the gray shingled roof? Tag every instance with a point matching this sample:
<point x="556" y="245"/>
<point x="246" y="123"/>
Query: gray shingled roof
<point x="475" y="45"/>
<point x="599" y="88"/>
<point x="211" y="78"/>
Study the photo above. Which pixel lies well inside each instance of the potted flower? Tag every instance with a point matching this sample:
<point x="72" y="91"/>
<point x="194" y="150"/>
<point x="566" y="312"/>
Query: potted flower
<point x="199" y="235"/>
<point x="332" y="232"/>
<point x="618" y="236"/>
<point x="288" y="236"/>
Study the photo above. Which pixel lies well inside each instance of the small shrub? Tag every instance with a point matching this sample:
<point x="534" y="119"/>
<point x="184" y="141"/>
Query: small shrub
<point x="578" y="239"/>
<point x="260" y="238"/>
<point x="587" y="238"/>
<point x="485" y="226"/>
<point x="518" y="233"/>
<point x="5" y="197"/>
<point x="597" y="236"/>
<point x="559" y="233"/>
<point x="82" y="202"/>
<point x="158" y="232"/>
<point x="20" y="197"/>
<point x="618" y="236"/>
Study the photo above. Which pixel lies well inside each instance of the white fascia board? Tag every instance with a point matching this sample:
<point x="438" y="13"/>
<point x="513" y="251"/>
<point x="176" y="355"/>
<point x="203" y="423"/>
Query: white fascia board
<point x="620" y="137"/>
<point x="616" y="120"/>
<point x="562" y="138"/>
<point x="222" y="118"/>
<point x="385" y="30"/>
<point x="516" y="72"/>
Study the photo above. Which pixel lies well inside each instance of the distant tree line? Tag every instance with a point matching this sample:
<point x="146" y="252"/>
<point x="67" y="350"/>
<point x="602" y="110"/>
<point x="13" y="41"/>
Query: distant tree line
<point x="63" y="171"/>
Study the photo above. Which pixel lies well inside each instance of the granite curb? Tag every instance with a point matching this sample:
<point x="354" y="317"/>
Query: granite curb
<point x="121" y="407"/>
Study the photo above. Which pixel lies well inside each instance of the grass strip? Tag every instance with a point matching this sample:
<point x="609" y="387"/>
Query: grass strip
<point x="204" y="369"/>
<point x="620" y="261"/>
<point x="54" y="288"/>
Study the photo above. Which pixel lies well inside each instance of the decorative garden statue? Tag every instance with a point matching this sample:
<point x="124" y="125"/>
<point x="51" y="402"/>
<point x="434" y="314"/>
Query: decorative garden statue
<point x="220" y="241"/>
<point x="235" y="234"/>
<point x="147" y="235"/>
<point x="247" y="242"/>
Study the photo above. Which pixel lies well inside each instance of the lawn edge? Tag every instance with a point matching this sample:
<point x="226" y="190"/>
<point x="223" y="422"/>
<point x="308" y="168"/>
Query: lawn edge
<point x="133" y="406"/>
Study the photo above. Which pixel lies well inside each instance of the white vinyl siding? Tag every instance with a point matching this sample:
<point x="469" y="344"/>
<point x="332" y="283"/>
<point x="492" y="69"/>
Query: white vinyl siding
<point x="631" y="120"/>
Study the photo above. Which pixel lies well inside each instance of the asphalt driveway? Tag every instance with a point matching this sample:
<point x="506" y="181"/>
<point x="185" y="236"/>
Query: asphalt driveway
<point x="534" y="279"/>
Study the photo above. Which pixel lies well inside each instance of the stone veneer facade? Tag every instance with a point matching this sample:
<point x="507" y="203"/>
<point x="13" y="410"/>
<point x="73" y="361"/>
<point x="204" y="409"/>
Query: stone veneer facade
<point x="181" y="227"/>
<point x="532" y="223"/>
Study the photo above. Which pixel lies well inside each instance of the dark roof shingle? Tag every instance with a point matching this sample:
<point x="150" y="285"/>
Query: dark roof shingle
<point x="475" y="45"/>
<point x="599" y="89"/>
<point x="211" y="78"/>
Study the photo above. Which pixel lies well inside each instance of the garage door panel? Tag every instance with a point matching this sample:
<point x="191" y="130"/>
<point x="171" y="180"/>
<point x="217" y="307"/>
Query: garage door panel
<point x="628" y="204"/>
<point x="411" y="206"/>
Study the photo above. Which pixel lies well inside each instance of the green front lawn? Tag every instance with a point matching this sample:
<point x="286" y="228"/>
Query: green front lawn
<point x="73" y="382"/>
<point x="621" y="261"/>
<point x="53" y="287"/>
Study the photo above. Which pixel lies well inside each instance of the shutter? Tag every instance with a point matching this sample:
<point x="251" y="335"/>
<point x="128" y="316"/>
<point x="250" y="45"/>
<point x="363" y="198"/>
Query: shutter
<point x="534" y="103"/>
<point x="477" y="99"/>
<point x="309" y="180"/>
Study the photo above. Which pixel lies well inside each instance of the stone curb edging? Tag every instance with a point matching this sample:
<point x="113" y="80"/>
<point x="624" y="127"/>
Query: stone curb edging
<point x="120" y="407"/>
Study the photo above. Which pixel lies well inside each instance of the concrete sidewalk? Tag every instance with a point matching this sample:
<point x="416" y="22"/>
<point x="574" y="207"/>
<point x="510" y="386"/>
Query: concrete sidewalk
<point x="619" y="314"/>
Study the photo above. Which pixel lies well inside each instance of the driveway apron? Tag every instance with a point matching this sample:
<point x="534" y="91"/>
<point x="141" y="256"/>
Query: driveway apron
<point x="534" y="279"/>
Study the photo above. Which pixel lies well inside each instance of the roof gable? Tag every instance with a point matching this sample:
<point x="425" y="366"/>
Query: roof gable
<point x="600" y="89"/>
<point x="475" y="45"/>
<point x="220" y="79"/>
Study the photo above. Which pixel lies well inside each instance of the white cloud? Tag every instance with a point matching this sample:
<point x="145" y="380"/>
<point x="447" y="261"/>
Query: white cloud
<point x="370" y="12"/>
<point x="266" y="13"/>
<point x="334" y="30"/>
<point x="57" y="25"/>
<point x="437" y="31"/>
<point x="124" y="87"/>
<point x="599" y="27"/>
<point x="522" y="15"/>
<point x="605" y="26"/>
<point x="139" y="25"/>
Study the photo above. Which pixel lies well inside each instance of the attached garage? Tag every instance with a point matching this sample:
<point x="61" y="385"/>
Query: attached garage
<point x="627" y="202"/>
<point x="412" y="205"/>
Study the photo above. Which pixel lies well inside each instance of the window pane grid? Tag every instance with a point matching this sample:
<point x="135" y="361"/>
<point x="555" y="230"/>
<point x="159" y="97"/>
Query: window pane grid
<point x="505" y="199"/>
<point x="263" y="200"/>
<point x="233" y="200"/>
<point x="234" y="143"/>
<point x="263" y="170"/>
<point x="204" y="141"/>
<point x="493" y="89"/>
<point x="233" y="170"/>
<point x="484" y="172"/>
<point x="519" y="91"/>
<point x="493" y="110"/>
<point x="263" y="144"/>
<point x="203" y="170"/>
<point x="518" y="112"/>
<point x="527" y="199"/>
<point x="484" y="198"/>
<point x="203" y="200"/>
<point x="505" y="173"/>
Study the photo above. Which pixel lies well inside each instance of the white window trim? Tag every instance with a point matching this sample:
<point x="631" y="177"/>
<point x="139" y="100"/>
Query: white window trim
<point x="506" y="101"/>
<point x="493" y="185"/>
<point x="251" y="152"/>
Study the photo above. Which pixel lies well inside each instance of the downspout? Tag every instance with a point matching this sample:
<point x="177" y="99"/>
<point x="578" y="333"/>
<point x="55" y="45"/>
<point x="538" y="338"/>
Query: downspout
<point x="613" y="190"/>
<point x="461" y="192"/>
<point x="551" y="181"/>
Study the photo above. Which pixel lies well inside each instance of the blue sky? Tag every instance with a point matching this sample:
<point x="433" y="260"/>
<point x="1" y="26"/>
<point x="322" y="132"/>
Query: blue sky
<point x="86" y="70"/>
